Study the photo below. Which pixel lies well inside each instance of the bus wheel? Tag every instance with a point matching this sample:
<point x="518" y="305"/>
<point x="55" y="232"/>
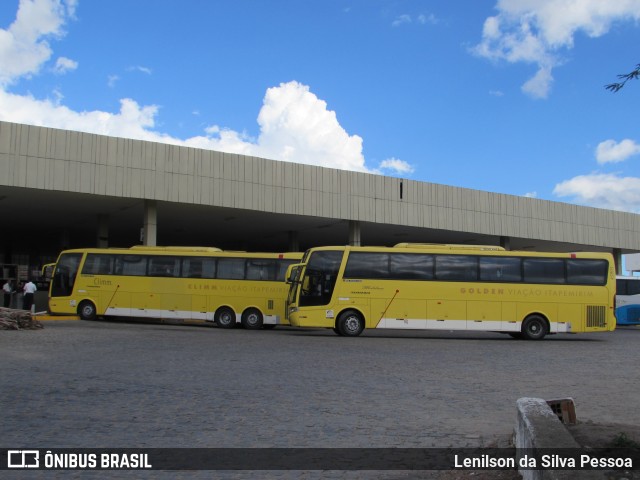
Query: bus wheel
<point x="350" y="323"/>
<point x="87" y="310"/>
<point x="336" y="330"/>
<point x="225" y="318"/>
<point x="534" y="328"/>
<point x="252" y="319"/>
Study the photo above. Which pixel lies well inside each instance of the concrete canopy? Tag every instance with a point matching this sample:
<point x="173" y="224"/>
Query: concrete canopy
<point x="57" y="187"/>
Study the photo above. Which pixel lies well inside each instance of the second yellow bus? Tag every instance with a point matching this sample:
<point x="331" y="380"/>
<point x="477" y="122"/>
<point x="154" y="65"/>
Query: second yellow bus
<point x="180" y="283"/>
<point x="452" y="287"/>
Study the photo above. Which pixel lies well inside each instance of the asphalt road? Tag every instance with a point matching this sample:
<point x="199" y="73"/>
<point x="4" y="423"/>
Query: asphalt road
<point x="102" y="384"/>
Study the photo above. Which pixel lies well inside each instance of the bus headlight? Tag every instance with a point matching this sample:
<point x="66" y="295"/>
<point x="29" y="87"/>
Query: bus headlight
<point x="293" y="310"/>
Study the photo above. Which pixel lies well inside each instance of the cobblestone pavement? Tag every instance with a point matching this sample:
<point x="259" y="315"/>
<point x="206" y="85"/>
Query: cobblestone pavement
<point x="136" y="385"/>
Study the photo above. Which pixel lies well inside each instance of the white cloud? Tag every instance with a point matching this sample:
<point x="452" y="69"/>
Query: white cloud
<point x="112" y="80"/>
<point x="430" y="19"/>
<point x="140" y="68"/>
<point x="537" y="31"/>
<point x="23" y="46"/>
<point x="64" y="65"/>
<point x="401" y="20"/>
<point x="531" y="195"/>
<point x="611" y="152"/>
<point x="539" y="85"/>
<point x="295" y="125"/>
<point x="422" y="19"/>
<point x="396" y="166"/>
<point x="132" y="121"/>
<point x="603" y="190"/>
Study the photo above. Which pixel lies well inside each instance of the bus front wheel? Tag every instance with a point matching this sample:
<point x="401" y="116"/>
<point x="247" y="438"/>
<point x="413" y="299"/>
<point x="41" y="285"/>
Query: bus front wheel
<point x="350" y="323"/>
<point x="225" y="318"/>
<point x="534" y="328"/>
<point x="87" y="310"/>
<point x="252" y="319"/>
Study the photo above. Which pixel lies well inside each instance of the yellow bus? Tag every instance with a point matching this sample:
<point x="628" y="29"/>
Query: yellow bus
<point x="182" y="283"/>
<point x="452" y="287"/>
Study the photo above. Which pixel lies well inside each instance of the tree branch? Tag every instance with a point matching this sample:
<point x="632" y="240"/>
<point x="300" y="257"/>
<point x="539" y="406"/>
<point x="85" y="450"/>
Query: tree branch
<point x="634" y="75"/>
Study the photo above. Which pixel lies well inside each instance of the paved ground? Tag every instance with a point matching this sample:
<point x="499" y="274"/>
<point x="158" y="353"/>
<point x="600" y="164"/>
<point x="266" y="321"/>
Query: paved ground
<point x="116" y="385"/>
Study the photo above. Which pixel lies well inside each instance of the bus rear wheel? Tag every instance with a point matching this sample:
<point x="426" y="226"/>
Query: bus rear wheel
<point x="252" y="319"/>
<point x="350" y="323"/>
<point x="87" y="310"/>
<point x="225" y="318"/>
<point x="534" y="327"/>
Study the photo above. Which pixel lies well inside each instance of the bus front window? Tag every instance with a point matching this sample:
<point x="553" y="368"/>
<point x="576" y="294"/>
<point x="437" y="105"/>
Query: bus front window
<point x="65" y="274"/>
<point x="316" y="287"/>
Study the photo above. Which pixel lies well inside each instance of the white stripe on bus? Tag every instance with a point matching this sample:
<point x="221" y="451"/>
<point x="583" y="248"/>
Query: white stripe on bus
<point x="179" y="314"/>
<point x="479" y="325"/>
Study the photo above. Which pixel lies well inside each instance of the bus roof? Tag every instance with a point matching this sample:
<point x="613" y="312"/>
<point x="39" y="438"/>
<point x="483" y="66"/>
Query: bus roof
<point x="176" y="249"/>
<point x="465" y="249"/>
<point x="448" y="246"/>
<point x="184" y="251"/>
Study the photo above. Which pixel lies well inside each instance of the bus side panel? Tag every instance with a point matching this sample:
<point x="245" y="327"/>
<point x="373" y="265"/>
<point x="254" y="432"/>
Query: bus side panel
<point x="510" y="320"/>
<point x="400" y="314"/>
<point x="199" y="308"/>
<point x="628" y="314"/>
<point x="570" y="318"/>
<point x="323" y="316"/>
<point x="484" y="315"/>
<point x="175" y="306"/>
<point x="62" y="306"/>
<point x="120" y="305"/>
<point x="447" y="310"/>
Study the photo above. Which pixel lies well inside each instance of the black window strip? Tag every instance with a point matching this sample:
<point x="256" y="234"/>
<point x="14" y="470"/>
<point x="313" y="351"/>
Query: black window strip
<point x="564" y="280"/>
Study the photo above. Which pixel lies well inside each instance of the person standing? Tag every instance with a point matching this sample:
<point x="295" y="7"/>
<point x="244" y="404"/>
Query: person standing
<point x="7" y="289"/>
<point x="29" y="290"/>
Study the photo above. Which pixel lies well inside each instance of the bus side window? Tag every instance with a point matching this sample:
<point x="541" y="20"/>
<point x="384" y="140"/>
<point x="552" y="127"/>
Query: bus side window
<point x="633" y="287"/>
<point x="195" y="270"/>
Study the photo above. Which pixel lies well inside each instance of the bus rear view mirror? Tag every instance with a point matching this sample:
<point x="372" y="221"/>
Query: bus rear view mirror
<point x="292" y="272"/>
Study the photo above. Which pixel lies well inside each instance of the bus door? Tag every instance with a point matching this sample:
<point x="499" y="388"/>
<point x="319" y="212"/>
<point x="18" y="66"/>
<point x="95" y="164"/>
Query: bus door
<point x="63" y="280"/>
<point x="320" y="278"/>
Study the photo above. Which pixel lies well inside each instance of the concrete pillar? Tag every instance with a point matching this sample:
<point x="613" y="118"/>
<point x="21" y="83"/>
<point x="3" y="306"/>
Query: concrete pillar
<point x="354" y="233"/>
<point x="65" y="239"/>
<point x="617" y="260"/>
<point x="505" y="242"/>
<point x="150" y="223"/>
<point x="102" y="240"/>
<point x="294" y="242"/>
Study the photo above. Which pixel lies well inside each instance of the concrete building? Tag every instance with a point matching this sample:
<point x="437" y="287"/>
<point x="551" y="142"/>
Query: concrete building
<point x="61" y="189"/>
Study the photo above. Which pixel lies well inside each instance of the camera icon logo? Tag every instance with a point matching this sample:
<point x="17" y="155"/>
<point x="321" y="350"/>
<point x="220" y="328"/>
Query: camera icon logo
<point x="23" y="459"/>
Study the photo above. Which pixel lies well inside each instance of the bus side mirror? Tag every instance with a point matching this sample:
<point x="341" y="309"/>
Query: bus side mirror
<point x="47" y="271"/>
<point x="292" y="273"/>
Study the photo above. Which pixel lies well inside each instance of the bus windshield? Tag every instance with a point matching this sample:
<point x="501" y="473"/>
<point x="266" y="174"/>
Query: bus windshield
<point x="64" y="275"/>
<point x="320" y="275"/>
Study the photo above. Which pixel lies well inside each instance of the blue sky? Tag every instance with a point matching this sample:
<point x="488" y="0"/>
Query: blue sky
<point x="505" y="96"/>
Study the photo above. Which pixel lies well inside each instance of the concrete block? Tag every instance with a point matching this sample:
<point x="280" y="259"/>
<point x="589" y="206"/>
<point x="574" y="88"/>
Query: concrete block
<point x="538" y="427"/>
